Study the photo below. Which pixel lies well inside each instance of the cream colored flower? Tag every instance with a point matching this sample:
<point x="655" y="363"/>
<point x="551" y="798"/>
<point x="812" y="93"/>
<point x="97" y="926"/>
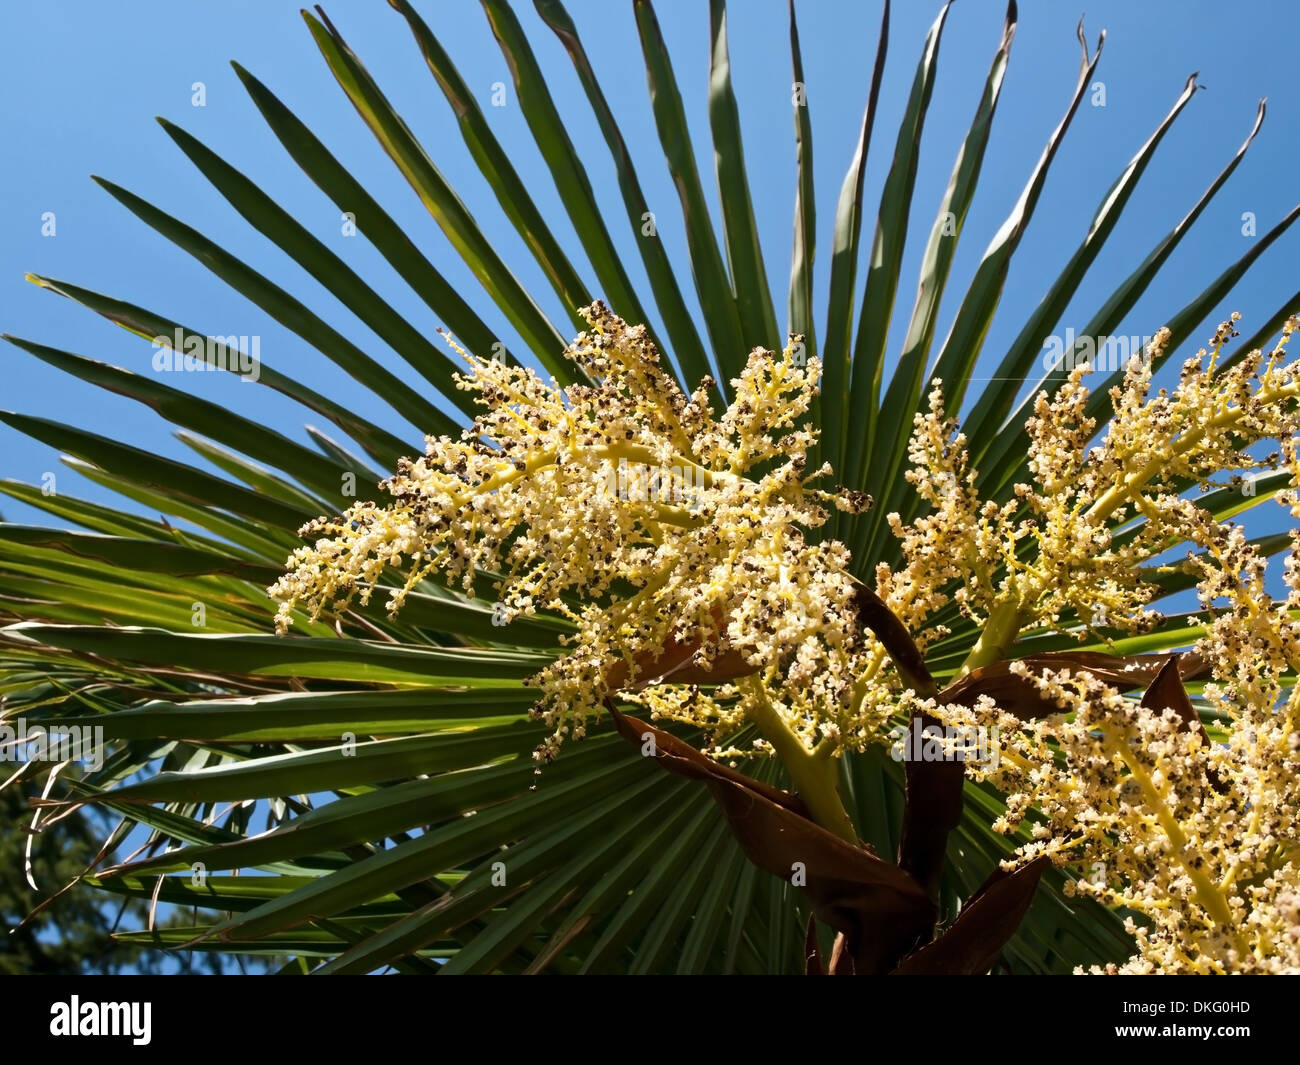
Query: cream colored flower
<point x="629" y="508"/>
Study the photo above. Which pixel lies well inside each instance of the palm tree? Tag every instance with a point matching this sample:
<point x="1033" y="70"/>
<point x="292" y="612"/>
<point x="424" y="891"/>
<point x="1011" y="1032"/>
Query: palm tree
<point x="405" y="824"/>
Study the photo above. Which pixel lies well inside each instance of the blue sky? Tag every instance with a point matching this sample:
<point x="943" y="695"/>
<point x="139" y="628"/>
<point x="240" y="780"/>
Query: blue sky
<point x="82" y="81"/>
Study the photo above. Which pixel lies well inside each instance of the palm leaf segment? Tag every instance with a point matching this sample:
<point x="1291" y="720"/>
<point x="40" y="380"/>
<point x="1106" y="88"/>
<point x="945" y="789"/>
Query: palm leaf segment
<point x="370" y="743"/>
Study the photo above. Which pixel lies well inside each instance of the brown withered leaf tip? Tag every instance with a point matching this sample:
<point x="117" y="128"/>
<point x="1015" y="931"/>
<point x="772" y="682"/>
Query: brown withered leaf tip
<point x="932" y="810"/>
<point x="971" y="944"/>
<point x="879" y="908"/>
<point x="883" y="916"/>
<point x="1020" y="696"/>
<point x="874" y="614"/>
<point x="674" y="665"/>
<point x="1166" y="692"/>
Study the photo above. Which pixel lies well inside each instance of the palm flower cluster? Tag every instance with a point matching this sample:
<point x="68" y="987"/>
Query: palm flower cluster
<point x="1194" y="836"/>
<point x="672" y="559"/>
<point x="674" y="539"/>
<point x="1051" y="555"/>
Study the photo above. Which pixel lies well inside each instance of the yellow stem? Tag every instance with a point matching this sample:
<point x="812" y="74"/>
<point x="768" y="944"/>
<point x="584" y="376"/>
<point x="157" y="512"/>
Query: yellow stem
<point x="1207" y="892"/>
<point x="813" y="775"/>
<point x="1000" y="630"/>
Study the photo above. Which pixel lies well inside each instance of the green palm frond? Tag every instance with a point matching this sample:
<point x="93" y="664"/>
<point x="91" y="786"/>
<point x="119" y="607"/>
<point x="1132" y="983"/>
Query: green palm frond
<point x="405" y="826"/>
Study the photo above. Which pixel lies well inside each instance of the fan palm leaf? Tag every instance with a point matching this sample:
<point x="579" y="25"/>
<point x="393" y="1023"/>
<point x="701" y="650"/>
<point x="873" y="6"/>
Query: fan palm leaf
<point x="405" y="825"/>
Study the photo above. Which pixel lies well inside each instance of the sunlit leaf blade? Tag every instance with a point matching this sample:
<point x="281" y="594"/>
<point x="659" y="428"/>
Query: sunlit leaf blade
<point x="991" y="410"/>
<point x="965" y="338"/>
<point x="372" y="221"/>
<point x="82" y="512"/>
<point x="801" y="319"/>
<point x="441" y="200"/>
<point x="203" y="416"/>
<point x="721" y="319"/>
<point x="565" y="164"/>
<point x="494" y="162"/>
<point x="885" y="260"/>
<point x="865" y="466"/>
<point x="961" y="348"/>
<point x="687" y="347"/>
<point x="749" y="278"/>
<point x="1008" y="461"/>
<point x="147" y="468"/>
<point x="847" y="231"/>
<point x="330" y="270"/>
<point x="382" y="445"/>
<point x="323" y="659"/>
